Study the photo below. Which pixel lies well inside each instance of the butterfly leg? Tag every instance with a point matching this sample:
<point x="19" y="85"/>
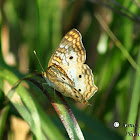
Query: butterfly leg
<point x="54" y="92"/>
<point x="43" y="84"/>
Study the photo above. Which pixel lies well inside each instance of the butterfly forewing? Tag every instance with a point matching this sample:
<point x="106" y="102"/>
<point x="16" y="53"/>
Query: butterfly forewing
<point x="70" y="51"/>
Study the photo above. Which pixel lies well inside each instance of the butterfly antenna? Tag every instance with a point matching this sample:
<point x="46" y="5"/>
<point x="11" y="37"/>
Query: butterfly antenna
<point x="38" y="60"/>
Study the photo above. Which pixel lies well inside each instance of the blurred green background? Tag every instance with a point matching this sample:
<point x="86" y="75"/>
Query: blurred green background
<point x="40" y="25"/>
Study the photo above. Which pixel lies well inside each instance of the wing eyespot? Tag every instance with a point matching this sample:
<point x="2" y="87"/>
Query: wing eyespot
<point x="63" y="78"/>
<point x="74" y="91"/>
<point x="79" y="89"/>
<point x="76" y="96"/>
<point x="71" y="57"/>
<point x="80" y="76"/>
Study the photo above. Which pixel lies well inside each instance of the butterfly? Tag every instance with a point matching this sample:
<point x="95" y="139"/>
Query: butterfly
<point x="67" y="72"/>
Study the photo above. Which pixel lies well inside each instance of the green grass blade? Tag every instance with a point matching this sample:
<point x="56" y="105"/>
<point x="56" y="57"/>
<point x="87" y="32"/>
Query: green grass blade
<point x="11" y="78"/>
<point x="3" y="118"/>
<point x="31" y="112"/>
<point x="134" y="105"/>
<point x="64" y="112"/>
<point x="49" y="28"/>
<point x="117" y="43"/>
<point x="1" y="56"/>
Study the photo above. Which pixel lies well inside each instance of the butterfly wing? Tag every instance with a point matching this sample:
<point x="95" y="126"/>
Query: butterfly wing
<point x="57" y="78"/>
<point x="70" y="51"/>
<point x="83" y="79"/>
<point x="70" y="56"/>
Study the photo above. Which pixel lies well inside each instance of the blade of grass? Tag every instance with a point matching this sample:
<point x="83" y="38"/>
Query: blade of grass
<point x="11" y="78"/>
<point x="3" y="117"/>
<point x="135" y="100"/>
<point x="49" y="28"/>
<point x="28" y="112"/>
<point x="117" y="43"/>
<point x="92" y="127"/>
<point x="48" y="127"/>
<point x="50" y="130"/>
<point x="1" y="56"/>
<point x="138" y="128"/>
<point x="64" y="112"/>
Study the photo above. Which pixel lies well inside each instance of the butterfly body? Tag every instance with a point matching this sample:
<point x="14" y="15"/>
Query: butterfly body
<point x="67" y="72"/>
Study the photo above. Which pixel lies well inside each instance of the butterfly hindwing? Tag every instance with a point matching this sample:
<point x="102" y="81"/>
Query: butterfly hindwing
<point x="82" y="76"/>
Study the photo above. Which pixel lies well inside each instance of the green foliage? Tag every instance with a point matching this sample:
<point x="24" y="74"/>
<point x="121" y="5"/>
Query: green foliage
<point x="112" y="53"/>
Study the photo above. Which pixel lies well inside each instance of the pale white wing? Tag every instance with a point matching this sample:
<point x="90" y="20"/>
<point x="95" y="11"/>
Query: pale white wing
<point x="70" y="51"/>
